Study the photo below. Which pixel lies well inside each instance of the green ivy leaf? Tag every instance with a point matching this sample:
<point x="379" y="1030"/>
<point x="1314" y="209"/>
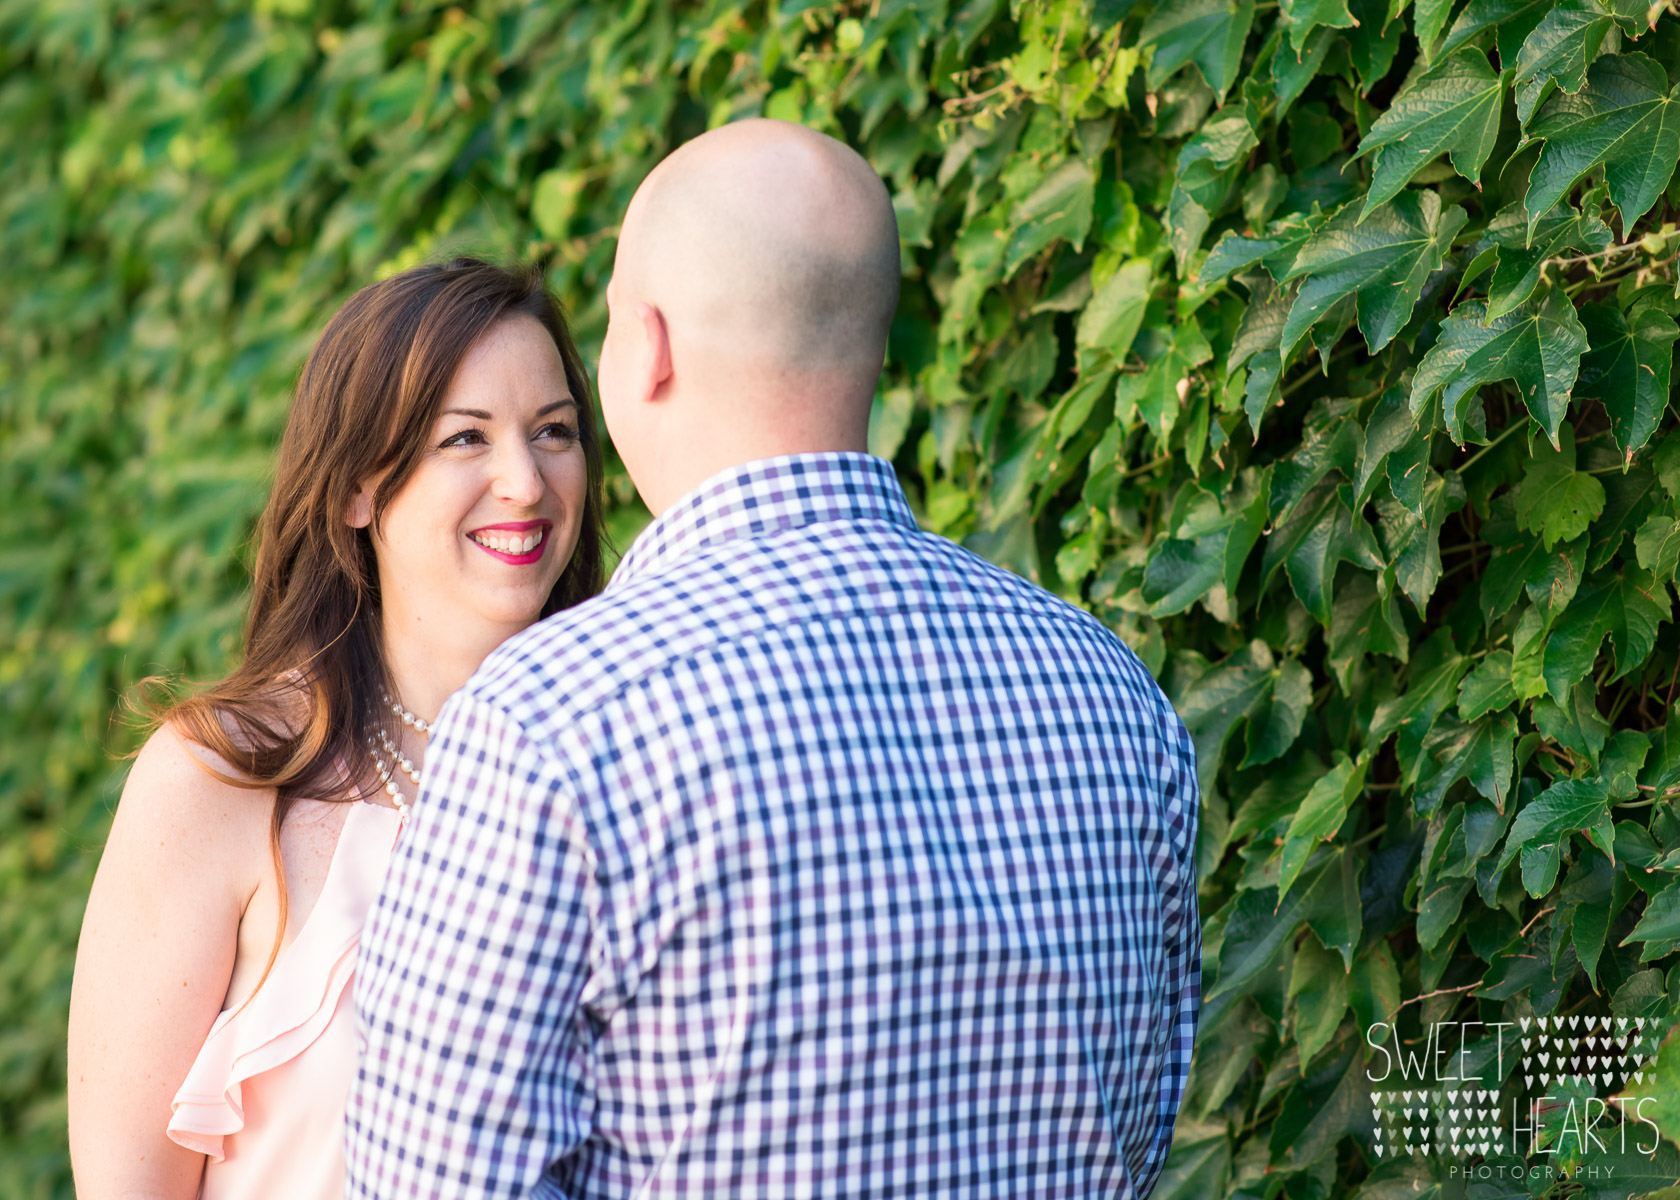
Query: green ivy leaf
<point x="1621" y="764"/>
<point x="1627" y="370"/>
<point x="1573" y="724"/>
<point x="1665" y="464"/>
<point x="1220" y="699"/>
<point x="1555" y="500"/>
<point x="1430" y="17"/>
<point x="1625" y="120"/>
<point x="1511" y="19"/>
<point x="1557" y="577"/>
<point x="1304" y="16"/>
<point x="1209" y="33"/>
<point x="1364" y="621"/>
<point x="1482" y="752"/>
<point x="1586" y="908"/>
<point x="1657" y="545"/>
<point x="1199" y="1160"/>
<point x="1206" y="168"/>
<point x="1411" y="716"/>
<point x="1256" y="347"/>
<point x="1274" y="727"/>
<point x="1058" y="208"/>
<point x="1539" y="347"/>
<point x="1539" y="865"/>
<point x="1320" y="532"/>
<point x="1183" y="569"/>
<point x="1293" y="69"/>
<point x="1488" y="688"/>
<point x="1318" y="984"/>
<point x="1320" y="815"/>
<point x="1382" y="259"/>
<point x="1628" y="500"/>
<point x="1573" y="646"/>
<point x="1391" y="428"/>
<point x="1439" y="905"/>
<point x="1660" y="922"/>
<point x="1618" y="1168"/>
<point x="1452" y="108"/>
<point x="1157" y="393"/>
<point x="1627" y="609"/>
<point x="1566" y="806"/>
<point x="1512" y="565"/>
<point x="1413" y="541"/>
<point x="1334" y="911"/>
<point x="1275" y="251"/>
<point x="1371" y="46"/>
<point x="1559" y="51"/>
<point x="1375" y="981"/>
<point x="1111" y="317"/>
<point x="1254" y="933"/>
<point x="1645" y="606"/>
<point x="1521" y="254"/>
<point x="554" y="201"/>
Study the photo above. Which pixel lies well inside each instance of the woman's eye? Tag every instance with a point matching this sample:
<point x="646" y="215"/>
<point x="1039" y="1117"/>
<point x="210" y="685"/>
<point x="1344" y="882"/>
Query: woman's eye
<point x="467" y="437"/>
<point x="558" y="430"/>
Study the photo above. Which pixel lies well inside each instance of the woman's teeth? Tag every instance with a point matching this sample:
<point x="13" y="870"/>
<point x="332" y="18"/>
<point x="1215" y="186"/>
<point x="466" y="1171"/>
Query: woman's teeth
<point x="513" y="544"/>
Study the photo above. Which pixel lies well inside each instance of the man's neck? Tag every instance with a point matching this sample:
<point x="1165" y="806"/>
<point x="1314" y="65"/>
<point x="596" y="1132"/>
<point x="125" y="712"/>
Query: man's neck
<point x="679" y="473"/>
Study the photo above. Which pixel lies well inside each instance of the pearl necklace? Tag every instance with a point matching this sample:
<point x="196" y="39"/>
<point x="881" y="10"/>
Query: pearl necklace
<point x="402" y="761"/>
<point x="419" y="725"/>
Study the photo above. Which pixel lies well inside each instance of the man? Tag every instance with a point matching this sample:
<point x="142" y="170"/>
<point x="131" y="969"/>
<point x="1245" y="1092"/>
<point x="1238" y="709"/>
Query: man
<point x="816" y="857"/>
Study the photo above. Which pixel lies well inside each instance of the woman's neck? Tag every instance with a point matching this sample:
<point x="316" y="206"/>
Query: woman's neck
<point x="427" y="665"/>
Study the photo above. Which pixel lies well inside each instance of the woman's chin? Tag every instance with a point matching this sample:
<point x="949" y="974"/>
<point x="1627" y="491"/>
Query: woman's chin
<point x="516" y="611"/>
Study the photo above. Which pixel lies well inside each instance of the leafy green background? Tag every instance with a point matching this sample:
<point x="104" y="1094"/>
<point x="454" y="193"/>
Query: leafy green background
<point x="1323" y="348"/>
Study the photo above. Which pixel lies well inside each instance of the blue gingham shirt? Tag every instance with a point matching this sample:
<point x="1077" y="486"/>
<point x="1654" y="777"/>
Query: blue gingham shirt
<point x="816" y="857"/>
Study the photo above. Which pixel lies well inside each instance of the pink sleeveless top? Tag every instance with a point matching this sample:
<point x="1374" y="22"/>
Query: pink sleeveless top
<point x="265" y="1097"/>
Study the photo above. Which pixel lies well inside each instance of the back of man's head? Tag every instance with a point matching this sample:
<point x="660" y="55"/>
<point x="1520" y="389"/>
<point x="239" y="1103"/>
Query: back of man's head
<point x="764" y="256"/>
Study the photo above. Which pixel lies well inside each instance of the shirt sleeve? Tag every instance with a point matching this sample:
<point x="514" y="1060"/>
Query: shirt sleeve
<point x="1181" y="930"/>
<point x="473" y="973"/>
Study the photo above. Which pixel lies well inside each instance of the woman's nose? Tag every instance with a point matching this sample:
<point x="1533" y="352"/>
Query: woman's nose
<point x="517" y="480"/>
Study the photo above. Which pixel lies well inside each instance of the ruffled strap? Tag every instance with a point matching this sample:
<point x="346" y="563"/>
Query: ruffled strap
<point x="297" y="1001"/>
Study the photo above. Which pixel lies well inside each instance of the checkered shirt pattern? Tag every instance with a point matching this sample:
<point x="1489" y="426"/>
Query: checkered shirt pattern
<point x="815" y="857"/>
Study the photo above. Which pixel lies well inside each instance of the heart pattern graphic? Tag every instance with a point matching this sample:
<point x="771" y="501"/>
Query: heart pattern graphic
<point x="1419" y="1122"/>
<point x="1605" y="1052"/>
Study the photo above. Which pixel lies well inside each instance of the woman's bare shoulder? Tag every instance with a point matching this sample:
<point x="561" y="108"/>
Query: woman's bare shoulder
<point x="183" y="794"/>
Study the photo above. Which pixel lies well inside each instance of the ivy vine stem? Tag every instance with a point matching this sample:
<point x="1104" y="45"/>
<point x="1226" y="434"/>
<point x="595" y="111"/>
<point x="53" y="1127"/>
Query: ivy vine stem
<point x="1514" y="427"/>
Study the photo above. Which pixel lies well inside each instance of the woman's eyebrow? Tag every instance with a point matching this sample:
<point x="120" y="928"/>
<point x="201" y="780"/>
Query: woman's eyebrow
<point x="478" y="414"/>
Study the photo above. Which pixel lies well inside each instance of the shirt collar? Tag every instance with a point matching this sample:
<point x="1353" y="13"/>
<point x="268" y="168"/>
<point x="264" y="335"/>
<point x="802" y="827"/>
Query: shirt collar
<point x="765" y="497"/>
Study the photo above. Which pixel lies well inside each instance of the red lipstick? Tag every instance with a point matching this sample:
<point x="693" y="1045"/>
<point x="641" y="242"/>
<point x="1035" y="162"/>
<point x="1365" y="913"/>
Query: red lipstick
<point x="512" y="533"/>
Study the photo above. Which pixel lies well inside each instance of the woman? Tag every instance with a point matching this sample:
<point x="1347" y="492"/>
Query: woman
<point x="439" y="489"/>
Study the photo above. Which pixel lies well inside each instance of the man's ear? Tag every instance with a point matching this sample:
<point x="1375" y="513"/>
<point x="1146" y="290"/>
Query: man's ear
<point x="358" y="514"/>
<point x="655" y="348"/>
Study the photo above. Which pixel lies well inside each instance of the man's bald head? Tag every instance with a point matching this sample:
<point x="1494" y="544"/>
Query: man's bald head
<point x="769" y="241"/>
<point x="756" y="278"/>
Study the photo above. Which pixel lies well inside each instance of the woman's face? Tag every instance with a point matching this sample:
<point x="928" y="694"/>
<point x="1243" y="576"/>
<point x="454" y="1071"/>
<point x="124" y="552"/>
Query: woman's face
<point x="476" y="539"/>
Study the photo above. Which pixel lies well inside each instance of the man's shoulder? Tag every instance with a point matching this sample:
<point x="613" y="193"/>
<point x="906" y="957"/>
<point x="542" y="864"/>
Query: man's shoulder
<point x="577" y="660"/>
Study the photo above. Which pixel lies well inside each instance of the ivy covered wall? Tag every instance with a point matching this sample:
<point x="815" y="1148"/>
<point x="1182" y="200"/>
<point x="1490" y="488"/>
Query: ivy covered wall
<point x="1323" y="348"/>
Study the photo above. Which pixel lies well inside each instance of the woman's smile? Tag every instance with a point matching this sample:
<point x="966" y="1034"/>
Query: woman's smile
<point x="518" y="543"/>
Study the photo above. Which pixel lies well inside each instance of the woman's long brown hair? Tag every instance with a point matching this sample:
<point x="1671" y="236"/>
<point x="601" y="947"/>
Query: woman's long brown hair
<point x="294" y="715"/>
